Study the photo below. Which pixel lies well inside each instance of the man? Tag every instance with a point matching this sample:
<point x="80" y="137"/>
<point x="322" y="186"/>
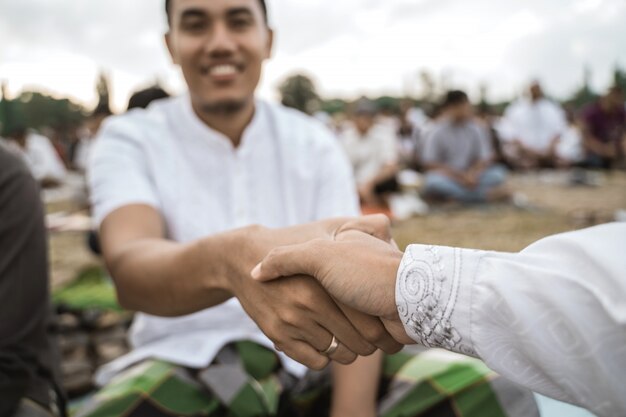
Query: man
<point x="551" y="317"/>
<point x="531" y="128"/>
<point x="458" y="157"/>
<point x="604" y="129"/>
<point x="40" y="156"/>
<point x="175" y="188"/>
<point x="28" y="359"/>
<point x="373" y="153"/>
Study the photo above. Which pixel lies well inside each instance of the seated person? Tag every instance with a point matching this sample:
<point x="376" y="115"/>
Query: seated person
<point x="373" y="153"/>
<point x="531" y="131"/>
<point x="604" y="129"/>
<point x="458" y="157"/>
<point x="28" y="358"/>
<point x="40" y="156"/>
<point x="175" y="188"/>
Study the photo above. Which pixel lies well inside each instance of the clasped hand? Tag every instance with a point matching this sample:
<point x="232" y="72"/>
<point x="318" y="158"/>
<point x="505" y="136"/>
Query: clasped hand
<point x="340" y="285"/>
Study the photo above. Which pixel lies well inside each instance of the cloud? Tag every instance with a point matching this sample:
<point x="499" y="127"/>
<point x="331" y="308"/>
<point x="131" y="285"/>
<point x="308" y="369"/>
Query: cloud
<point x="350" y="46"/>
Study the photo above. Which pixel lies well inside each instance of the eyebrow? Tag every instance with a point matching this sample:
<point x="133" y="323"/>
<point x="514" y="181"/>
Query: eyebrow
<point x="190" y="13"/>
<point x="239" y="11"/>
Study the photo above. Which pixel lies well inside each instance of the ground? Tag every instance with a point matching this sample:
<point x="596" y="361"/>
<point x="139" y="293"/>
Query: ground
<point x="556" y="208"/>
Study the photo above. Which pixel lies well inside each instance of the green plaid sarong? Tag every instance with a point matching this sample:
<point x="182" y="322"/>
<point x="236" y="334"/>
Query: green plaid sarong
<point x="247" y="380"/>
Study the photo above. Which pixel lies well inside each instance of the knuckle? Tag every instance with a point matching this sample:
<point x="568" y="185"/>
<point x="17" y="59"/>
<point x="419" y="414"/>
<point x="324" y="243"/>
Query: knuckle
<point x="318" y="363"/>
<point x="291" y="317"/>
<point x="348" y="358"/>
<point x="375" y="334"/>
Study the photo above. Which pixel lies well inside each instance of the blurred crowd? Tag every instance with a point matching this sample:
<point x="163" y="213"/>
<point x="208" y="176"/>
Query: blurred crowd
<point x="461" y="153"/>
<point x="405" y="161"/>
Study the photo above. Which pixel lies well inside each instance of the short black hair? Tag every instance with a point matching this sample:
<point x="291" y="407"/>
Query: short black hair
<point x="454" y="98"/>
<point x="142" y="99"/>
<point x="169" y="16"/>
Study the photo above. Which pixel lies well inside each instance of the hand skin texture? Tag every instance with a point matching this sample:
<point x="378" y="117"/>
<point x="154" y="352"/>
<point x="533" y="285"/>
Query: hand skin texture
<point x="356" y="268"/>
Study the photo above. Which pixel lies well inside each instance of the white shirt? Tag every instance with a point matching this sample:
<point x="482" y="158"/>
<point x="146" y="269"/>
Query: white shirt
<point x="288" y="170"/>
<point x="369" y="154"/>
<point x="534" y="124"/>
<point x="41" y="158"/>
<point x="551" y="318"/>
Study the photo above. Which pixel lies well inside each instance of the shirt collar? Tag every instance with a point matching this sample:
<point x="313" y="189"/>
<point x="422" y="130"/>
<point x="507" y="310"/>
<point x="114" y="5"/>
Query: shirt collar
<point x="202" y="132"/>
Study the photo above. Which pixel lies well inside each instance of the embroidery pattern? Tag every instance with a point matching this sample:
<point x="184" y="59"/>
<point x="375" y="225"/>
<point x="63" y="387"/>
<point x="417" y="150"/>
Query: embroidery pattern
<point x="426" y="299"/>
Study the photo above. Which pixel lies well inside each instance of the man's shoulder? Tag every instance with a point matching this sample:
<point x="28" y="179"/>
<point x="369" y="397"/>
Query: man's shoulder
<point x="138" y="123"/>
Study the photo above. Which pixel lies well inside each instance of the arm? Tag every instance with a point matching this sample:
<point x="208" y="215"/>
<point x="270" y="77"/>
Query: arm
<point x="550" y="318"/>
<point x="166" y="278"/>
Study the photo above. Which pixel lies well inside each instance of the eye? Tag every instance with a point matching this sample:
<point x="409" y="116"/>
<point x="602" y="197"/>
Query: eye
<point x="195" y="25"/>
<point x="240" y="23"/>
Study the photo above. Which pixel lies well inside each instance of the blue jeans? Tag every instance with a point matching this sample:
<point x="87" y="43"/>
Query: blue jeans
<point x="442" y="186"/>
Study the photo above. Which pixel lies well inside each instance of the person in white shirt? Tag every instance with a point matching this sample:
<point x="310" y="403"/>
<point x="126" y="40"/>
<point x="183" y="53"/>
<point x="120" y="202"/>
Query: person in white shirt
<point x="531" y="129"/>
<point x="175" y="189"/>
<point x="551" y="317"/>
<point x="373" y="153"/>
<point x="40" y="156"/>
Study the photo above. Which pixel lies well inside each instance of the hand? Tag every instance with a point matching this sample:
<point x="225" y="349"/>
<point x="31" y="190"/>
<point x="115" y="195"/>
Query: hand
<point x="470" y="180"/>
<point x="297" y="314"/>
<point x="357" y="269"/>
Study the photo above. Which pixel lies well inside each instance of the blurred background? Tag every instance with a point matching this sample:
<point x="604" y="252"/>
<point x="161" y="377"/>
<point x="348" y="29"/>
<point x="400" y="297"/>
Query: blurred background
<point x="65" y="65"/>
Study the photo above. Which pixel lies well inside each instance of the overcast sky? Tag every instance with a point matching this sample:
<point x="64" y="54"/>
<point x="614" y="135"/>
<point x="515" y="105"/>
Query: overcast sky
<point x="349" y="47"/>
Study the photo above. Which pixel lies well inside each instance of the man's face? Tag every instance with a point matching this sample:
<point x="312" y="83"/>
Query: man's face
<point x="220" y="46"/>
<point x="364" y="122"/>
<point x="536" y="92"/>
<point x="461" y="112"/>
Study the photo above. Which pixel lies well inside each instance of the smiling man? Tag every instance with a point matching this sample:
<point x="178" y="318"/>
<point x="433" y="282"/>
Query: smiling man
<point x="175" y="189"/>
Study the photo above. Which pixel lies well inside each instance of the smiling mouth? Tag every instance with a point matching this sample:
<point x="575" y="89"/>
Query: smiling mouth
<point x="221" y="70"/>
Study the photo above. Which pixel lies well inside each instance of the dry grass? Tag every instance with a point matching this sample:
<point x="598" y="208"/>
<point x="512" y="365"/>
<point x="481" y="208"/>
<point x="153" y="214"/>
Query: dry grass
<point x="511" y="229"/>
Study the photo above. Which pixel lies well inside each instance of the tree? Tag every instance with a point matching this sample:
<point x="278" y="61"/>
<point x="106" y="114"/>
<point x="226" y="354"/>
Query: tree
<point x="299" y="92"/>
<point x="103" y="90"/>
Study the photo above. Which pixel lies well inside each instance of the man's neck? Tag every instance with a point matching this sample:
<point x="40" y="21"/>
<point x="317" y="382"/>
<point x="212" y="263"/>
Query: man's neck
<point x="230" y="124"/>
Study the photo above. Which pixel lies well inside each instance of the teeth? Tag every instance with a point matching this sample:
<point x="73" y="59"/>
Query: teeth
<point x="223" y="70"/>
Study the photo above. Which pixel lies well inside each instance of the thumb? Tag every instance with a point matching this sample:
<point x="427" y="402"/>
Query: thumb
<point x="285" y="261"/>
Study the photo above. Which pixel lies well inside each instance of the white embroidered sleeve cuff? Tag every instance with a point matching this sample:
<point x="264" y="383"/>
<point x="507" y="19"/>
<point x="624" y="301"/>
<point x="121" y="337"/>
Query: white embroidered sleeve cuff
<point x="434" y="296"/>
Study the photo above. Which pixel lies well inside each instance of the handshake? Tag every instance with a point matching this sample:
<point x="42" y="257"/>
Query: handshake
<point x="324" y="291"/>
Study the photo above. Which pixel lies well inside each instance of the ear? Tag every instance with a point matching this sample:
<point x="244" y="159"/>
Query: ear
<point x="170" y="47"/>
<point x="270" y="43"/>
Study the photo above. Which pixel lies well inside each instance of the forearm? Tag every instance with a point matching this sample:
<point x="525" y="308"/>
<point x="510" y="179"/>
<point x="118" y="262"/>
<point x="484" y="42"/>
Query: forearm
<point x="443" y="169"/>
<point x="166" y="278"/>
<point x="170" y="279"/>
<point x="541" y="310"/>
<point x="355" y="386"/>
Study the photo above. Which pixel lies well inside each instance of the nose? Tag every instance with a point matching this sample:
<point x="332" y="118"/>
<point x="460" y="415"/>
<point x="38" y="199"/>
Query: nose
<point x="221" y="41"/>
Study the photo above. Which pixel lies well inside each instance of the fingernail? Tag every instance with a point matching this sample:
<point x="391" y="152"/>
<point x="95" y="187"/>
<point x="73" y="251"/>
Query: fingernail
<point x="256" y="272"/>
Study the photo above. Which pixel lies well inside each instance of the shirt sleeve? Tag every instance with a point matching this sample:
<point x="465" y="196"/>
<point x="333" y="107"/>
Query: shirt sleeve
<point x="485" y="147"/>
<point x="551" y="318"/>
<point x="118" y="173"/>
<point x="430" y="151"/>
<point x="389" y="146"/>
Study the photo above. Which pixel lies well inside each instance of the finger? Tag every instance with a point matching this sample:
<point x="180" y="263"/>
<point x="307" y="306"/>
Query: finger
<point x="305" y="354"/>
<point x="321" y="339"/>
<point x="339" y="325"/>
<point x="372" y="329"/>
<point x="377" y="225"/>
<point x="285" y="261"/>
